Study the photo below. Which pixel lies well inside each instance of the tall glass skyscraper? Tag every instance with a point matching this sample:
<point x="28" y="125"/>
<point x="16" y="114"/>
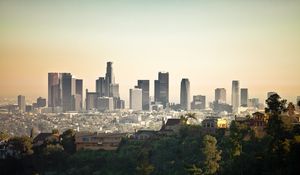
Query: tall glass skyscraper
<point x="185" y="94"/>
<point x="244" y="97"/>
<point x="144" y="85"/>
<point x="162" y="88"/>
<point x="235" y="95"/>
<point x="54" y="90"/>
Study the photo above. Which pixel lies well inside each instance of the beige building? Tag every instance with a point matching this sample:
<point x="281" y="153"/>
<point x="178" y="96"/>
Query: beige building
<point x="98" y="141"/>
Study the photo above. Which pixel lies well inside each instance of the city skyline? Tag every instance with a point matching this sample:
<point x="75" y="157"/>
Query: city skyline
<point x="211" y="43"/>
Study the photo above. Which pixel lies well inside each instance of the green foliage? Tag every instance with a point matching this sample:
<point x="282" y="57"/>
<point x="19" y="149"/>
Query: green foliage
<point x="68" y="141"/>
<point x="22" y="145"/>
<point x="211" y="154"/>
<point x="3" y="136"/>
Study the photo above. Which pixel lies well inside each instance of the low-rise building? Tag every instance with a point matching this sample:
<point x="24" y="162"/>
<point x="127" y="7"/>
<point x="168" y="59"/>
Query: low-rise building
<point x="98" y="141"/>
<point x="211" y="124"/>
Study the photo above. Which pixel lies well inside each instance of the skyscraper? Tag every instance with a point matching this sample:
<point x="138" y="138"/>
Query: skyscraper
<point x="79" y="95"/>
<point x="244" y="97"/>
<point x="235" y="96"/>
<point x="100" y="86"/>
<point x="136" y="100"/>
<point x="220" y="95"/>
<point x="21" y="103"/>
<point x="91" y="100"/>
<point x="105" y="104"/>
<point x="162" y="88"/>
<point x="106" y="87"/>
<point x="40" y="102"/>
<point x="67" y="82"/>
<point x="144" y="85"/>
<point x="185" y="94"/>
<point x="199" y="102"/>
<point x="54" y="90"/>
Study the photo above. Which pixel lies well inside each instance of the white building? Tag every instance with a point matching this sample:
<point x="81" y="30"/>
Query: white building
<point x="135" y="98"/>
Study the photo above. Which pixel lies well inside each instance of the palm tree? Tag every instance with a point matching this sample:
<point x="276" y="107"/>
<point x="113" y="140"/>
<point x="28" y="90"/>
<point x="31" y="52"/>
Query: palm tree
<point x="186" y="117"/>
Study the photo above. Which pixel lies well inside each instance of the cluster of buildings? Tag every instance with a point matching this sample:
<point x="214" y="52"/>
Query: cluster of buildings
<point x="65" y="94"/>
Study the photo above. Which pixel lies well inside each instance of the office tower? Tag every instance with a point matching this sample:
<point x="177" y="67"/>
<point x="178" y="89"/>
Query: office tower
<point x="79" y="94"/>
<point x="106" y="87"/>
<point x="54" y="90"/>
<point x="114" y="90"/>
<point x="105" y="104"/>
<point x="100" y="86"/>
<point x="244" y="97"/>
<point x="253" y="102"/>
<point x="109" y="78"/>
<point x="144" y="85"/>
<point x="21" y="103"/>
<point x="269" y="94"/>
<point x="136" y="100"/>
<point x="235" y="96"/>
<point x="185" y="94"/>
<point x="220" y="95"/>
<point x="40" y="102"/>
<point x="68" y="90"/>
<point x="91" y="100"/>
<point x="162" y="88"/>
<point x="199" y="102"/>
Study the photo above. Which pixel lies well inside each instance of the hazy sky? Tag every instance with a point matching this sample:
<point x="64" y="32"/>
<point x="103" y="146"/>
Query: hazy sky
<point x="210" y="42"/>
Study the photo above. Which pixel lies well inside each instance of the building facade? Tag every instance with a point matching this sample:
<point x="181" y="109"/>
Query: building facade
<point x="185" y="94"/>
<point x="162" y="88"/>
<point x="136" y="99"/>
<point x="235" y="95"/>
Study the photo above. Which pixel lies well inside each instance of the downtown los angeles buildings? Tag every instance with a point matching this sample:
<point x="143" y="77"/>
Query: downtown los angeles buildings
<point x="64" y="92"/>
<point x="107" y="95"/>
<point x="185" y="94"/>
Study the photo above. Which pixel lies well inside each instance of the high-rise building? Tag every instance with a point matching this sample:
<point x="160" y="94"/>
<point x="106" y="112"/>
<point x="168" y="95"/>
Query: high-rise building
<point x="144" y="85"/>
<point x="162" y="88"/>
<point x="21" y="103"/>
<point x="79" y="95"/>
<point x="253" y="102"/>
<point x="91" y="100"/>
<point x="106" y="87"/>
<point x="235" y="95"/>
<point x="114" y="90"/>
<point x="220" y="95"/>
<point x="269" y="94"/>
<point x="199" y="102"/>
<point x="100" y="86"/>
<point x="185" y="94"/>
<point x="54" y="90"/>
<point x="67" y="91"/>
<point x="244" y="97"/>
<point x="105" y="104"/>
<point x="136" y="99"/>
<point x="40" y="102"/>
<point x="109" y="78"/>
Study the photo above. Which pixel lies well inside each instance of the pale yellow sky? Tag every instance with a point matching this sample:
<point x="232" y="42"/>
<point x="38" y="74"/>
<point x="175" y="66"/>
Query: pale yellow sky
<point x="211" y="43"/>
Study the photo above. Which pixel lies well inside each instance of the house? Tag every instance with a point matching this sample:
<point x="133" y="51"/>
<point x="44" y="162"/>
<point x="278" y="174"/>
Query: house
<point x="145" y="135"/>
<point x="98" y="141"/>
<point x="211" y="124"/>
<point x="172" y="126"/>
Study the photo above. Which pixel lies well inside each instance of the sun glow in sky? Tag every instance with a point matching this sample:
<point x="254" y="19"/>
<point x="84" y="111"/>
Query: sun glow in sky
<point x="209" y="42"/>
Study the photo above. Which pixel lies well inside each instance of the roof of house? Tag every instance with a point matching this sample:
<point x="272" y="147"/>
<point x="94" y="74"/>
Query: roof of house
<point x="173" y="122"/>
